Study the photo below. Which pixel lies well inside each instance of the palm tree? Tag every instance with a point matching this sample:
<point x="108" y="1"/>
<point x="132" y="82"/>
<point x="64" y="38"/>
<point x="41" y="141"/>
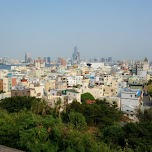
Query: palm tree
<point x="40" y="107"/>
<point x="58" y="107"/>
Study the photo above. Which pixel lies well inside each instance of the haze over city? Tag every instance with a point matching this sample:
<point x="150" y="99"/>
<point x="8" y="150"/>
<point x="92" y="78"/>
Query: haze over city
<point x="121" y="29"/>
<point x="76" y="75"/>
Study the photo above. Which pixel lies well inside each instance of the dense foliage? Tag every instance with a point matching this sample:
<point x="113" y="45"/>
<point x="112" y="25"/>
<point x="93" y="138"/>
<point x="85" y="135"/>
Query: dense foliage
<point x="87" y="96"/>
<point x="99" y="114"/>
<point x="148" y="87"/>
<point x="28" y="124"/>
<point x="16" y="104"/>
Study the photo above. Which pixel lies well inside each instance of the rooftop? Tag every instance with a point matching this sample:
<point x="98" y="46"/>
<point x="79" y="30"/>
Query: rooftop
<point x="72" y="90"/>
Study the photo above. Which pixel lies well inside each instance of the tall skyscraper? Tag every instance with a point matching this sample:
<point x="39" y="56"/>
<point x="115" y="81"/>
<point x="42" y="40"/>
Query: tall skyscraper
<point x="27" y="57"/>
<point x="76" y="56"/>
<point x="47" y="60"/>
<point x="110" y="59"/>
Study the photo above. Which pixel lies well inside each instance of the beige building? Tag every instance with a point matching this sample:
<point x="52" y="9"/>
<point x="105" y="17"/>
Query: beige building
<point x="20" y="90"/>
<point x="61" y="85"/>
<point x="73" y="95"/>
<point x="3" y="73"/>
<point x="5" y="85"/>
<point x="97" y="92"/>
<point x="114" y="82"/>
<point x="109" y="91"/>
<point x="50" y="84"/>
<point x="1" y="85"/>
<point x="37" y="90"/>
<point x="146" y="65"/>
<point x="39" y="63"/>
<point x="149" y="76"/>
<point x="52" y="101"/>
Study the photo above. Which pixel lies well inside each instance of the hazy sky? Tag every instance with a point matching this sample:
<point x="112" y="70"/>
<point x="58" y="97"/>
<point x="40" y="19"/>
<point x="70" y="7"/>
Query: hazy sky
<point x="99" y="28"/>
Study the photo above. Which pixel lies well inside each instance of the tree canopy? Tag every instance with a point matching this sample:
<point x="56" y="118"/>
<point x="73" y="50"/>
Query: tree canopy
<point x="86" y="96"/>
<point x="29" y="124"/>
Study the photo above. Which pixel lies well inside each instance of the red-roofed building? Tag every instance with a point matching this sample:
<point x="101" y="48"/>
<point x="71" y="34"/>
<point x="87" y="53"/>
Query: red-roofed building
<point x="90" y="101"/>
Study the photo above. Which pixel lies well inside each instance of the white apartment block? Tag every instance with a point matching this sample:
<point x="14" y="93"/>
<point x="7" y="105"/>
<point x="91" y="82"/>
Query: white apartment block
<point x="73" y="95"/>
<point x="131" y="100"/>
<point x="71" y="82"/>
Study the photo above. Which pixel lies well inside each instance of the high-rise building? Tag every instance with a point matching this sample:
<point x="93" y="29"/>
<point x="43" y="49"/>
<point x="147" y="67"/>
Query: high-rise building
<point x="102" y="59"/>
<point x="27" y="57"/>
<point x="76" y="56"/>
<point x="96" y="60"/>
<point x="110" y="59"/>
<point x="62" y="61"/>
<point x="39" y="63"/>
<point x="47" y="60"/>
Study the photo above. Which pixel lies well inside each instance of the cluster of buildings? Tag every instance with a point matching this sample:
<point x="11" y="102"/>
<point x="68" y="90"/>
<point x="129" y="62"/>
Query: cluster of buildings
<point x="109" y="59"/>
<point x="120" y="83"/>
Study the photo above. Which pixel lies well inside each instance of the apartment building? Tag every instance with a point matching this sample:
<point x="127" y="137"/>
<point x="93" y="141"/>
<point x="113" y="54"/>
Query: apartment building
<point x="109" y="91"/>
<point x="1" y="85"/>
<point x="131" y="101"/>
<point x="20" y="90"/>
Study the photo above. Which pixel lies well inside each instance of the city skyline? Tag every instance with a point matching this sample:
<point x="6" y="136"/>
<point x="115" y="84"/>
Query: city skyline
<point x="121" y="29"/>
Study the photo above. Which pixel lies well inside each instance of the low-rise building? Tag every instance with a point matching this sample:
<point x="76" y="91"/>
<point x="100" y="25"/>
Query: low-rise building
<point x="109" y="91"/>
<point x="131" y="101"/>
<point x="1" y="85"/>
<point x="20" y="90"/>
<point x="73" y="95"/>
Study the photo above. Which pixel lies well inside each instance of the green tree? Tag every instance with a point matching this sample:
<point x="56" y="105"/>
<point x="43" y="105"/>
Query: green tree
<point x="99" y="114"/>
<point x="40" y="107"/>
<point x="57" y="107"/>
<point x="138" y="136"/>
<point x="78" y="120"/>
<point x="149" y="89"/>
<point x="15" y="104"/>
<point x="114" y="136"/>
<point x="145" y="116"/>
<point x="86" y="96"/>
